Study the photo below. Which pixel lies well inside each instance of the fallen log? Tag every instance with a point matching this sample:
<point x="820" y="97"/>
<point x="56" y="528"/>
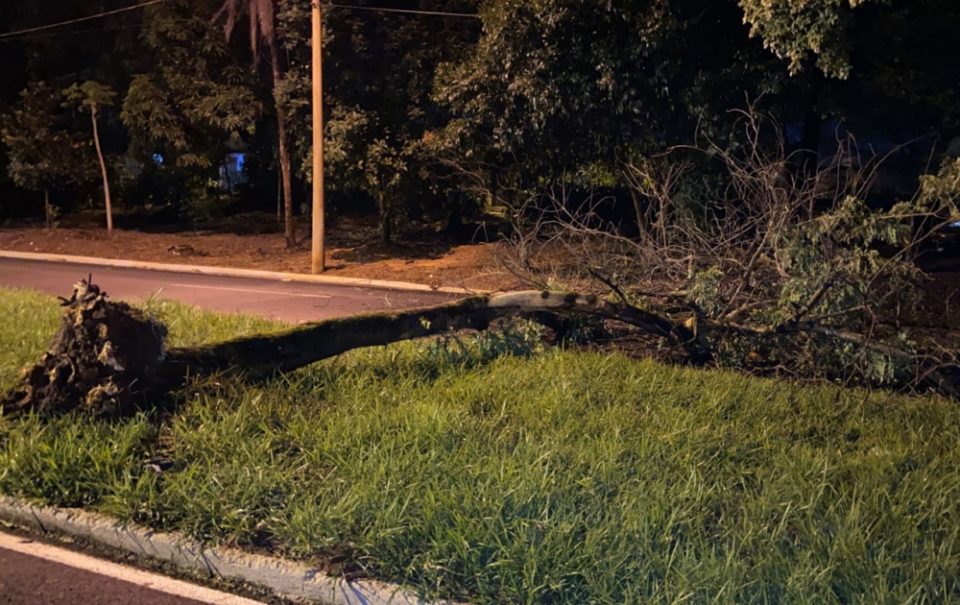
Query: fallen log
<point x="264" y="356"/>
<point x="107" y="356"/>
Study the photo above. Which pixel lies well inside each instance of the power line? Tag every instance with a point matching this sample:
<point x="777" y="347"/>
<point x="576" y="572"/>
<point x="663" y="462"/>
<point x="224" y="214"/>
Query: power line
<point x="126" y="9"/>
<point x="22" y="33"/>
<point x="404" y="11"/>
<point x="117" y="11"/>
<point x="72" y="32"/>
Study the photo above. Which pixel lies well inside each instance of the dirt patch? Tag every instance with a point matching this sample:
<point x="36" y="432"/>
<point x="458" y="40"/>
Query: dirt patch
<point x="431" y="259"/>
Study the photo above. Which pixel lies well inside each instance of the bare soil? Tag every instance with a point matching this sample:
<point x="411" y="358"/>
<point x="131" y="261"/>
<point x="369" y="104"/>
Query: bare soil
<point x="353" y="251"/>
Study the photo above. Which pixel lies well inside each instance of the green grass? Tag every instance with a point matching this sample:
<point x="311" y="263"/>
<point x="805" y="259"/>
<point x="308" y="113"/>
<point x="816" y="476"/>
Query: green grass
<point x="563" y="477"/>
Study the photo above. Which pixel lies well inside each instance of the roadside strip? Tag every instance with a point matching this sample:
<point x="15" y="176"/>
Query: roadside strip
<point x="288" y="579"/>
<point x="233" y="272"/>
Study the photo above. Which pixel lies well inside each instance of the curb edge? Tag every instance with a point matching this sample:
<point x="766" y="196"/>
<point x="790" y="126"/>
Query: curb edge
<point x="288" y="579"/>
<point x="234" y="272"/>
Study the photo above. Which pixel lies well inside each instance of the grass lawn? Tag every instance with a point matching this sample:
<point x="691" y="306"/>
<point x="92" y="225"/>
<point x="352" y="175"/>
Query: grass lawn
<point x="561" y="477"/>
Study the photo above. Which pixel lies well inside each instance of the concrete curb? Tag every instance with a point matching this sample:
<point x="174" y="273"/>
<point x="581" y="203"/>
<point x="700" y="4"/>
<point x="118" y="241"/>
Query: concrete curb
<point x="232" y="272"/>
<point x="287" y="579"/>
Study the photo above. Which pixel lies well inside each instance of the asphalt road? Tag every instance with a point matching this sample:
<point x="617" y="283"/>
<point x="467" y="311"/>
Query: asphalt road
<point x="26" y="580"/>
<point x="288" y="301"/>
<point x="37" y="572"/>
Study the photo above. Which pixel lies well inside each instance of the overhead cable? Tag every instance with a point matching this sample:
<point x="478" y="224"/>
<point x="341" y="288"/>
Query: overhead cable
<point x="380" y="9"/>
<point x="117" y="11"/>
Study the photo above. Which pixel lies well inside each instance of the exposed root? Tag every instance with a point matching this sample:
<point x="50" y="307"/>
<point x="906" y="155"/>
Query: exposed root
<point x="99" y="356"/>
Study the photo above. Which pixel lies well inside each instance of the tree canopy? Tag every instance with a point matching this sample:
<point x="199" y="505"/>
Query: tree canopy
<point x="430" y="116"/>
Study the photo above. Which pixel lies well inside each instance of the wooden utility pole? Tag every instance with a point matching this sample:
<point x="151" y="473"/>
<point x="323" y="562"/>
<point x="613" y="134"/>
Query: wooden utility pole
<point x="318" y="252"/>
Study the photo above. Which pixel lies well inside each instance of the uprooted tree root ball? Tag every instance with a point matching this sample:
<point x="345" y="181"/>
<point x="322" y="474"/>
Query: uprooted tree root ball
<point x="99" y="354"/>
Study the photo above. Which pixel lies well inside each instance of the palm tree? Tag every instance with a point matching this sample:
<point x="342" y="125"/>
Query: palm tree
<point x="262" y="27"/>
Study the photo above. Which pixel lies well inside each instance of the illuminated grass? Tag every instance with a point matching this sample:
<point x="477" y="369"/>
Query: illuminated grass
<point x="559" y="478"/>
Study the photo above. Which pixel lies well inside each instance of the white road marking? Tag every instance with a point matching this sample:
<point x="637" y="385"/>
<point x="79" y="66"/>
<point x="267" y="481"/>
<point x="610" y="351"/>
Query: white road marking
<point x="123" y="573"/>
<point x="250" y="291"/>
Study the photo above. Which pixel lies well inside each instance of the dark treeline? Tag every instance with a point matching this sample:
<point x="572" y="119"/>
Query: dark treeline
<point x="441" y="118"/>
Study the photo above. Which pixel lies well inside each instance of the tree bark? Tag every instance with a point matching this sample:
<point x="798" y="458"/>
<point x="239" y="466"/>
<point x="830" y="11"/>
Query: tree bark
<point x="264" y="356"/>
<point x="103" y="170"/>
<point x="386" y="220"/>
<point x="48" y="219"/>
<point x="283" y="153"/>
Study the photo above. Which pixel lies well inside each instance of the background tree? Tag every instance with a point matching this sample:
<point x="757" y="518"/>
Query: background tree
<point x="384" y="169"/>
<point x="191" y="96"/>
<point x="379" y="77"/>
<point x="534" y="95"/>
<point x="884" y="71"/>
<point x="90" y="97"/>
<point x="558" y="91"/>
<point x="262" y="27"/>
<point x="801" y="31"/>
<point x="60" y="58"/>
<point x="43" y="154"/>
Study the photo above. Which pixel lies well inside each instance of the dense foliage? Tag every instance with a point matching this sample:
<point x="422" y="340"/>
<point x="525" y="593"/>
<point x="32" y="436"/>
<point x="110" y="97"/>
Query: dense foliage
<point x="436" y="117"/>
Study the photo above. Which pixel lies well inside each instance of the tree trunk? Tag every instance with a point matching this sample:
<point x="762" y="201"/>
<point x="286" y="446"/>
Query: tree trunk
<point x="103" y="171"/>
<point x="264" y="356"/>
<point x="283" y="153"/>
<point x="812" y="121"/>
<point x="454" y="224"/>
<point x="386" y="232"/>
<point x="279" y="198"/>
<point x="226" y="176"/>
<point x="46" y="209"/>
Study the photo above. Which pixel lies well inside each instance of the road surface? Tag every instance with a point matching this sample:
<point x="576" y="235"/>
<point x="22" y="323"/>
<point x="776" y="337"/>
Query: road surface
<point x="288" y="301"/>
<point x="36" y="573"/>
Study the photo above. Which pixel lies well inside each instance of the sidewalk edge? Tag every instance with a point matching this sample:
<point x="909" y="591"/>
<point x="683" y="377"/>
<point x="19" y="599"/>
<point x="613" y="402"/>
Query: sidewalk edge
<point x="288" y="579"/>
<point x="234" y="272"/>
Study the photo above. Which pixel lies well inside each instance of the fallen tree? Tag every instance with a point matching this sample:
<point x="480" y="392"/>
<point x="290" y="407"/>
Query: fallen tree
<point x="783" y="271"/>
<point x="107" y="357"/>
